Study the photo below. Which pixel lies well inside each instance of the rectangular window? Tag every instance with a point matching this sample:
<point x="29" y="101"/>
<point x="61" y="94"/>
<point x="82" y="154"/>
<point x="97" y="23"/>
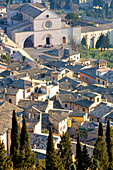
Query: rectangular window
<point x="97" y="99"/>
<point x="73" y="105"/>
<point x="83" y="109"/>
<point x="82" y="77"/>
<point x="65" y="105"/>
<point x="28" y="90"/>
<point x="10" y="100"/>
<point x="94" y="82"/>
<point x="86" y="78"/>
<point x="78" y="108"/>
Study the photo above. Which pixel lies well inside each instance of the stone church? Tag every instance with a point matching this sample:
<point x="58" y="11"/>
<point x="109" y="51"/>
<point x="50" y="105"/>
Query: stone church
<point x="35" y="25"/>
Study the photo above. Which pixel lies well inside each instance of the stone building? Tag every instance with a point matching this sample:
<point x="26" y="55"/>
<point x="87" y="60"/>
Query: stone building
<point x="33" y="25"/>
<point x="92" y="33"/>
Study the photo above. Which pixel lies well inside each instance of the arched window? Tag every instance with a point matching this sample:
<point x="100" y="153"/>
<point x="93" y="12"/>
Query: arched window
<point x="64" y="39"/>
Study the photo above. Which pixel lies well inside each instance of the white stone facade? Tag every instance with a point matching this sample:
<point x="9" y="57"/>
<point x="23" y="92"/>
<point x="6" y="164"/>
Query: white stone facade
<point x="44" y="29"/>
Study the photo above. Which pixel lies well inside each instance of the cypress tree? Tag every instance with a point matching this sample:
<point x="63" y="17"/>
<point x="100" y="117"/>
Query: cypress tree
<point x="9" y="163"/>
<point x="15" y="140"/>
<point x="100" y="130"/>
<point x="25" y="145"/>
<point x="73" y="167"/>
<point x="101" y="42"/>
<point x="86" y="160"/>
<point x="107" y="41"/>
<point x="23" y="164"/>
<point x="65" y="151"/>
<point x="109" y="143"/>
<point x="100" y="153"/>
<point x="83" y="42"/>
<point x="78" y="152"/>
<point x="40" y="165"/>
<point x="3" y="163"/>
<point x="53" y="161"/>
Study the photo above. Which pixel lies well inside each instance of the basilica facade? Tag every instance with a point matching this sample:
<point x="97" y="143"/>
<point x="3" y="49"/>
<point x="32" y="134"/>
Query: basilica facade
<point x="33" y="25"/>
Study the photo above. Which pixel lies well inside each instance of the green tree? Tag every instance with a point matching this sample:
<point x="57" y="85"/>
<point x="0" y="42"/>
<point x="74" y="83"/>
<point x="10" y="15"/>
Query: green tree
<point x="86" y="160"/>
<point x="73" y="167"/>
<point x="9" y="163"/>
<point x="100" y="153"/>
<point x="100" y="130"/>
<point x="53" y="161"/>
<point x="65" y="150"/>
<point x="101" y="42"/>
<point x="23" y="164"/>
<point x="25" y="145"/>
<point x="15" y="141"/>
<point x="83" y="42"/>
<point x="78" y="153"/>
<point x="23" y="58"/>
<point x="54" y="4"/>
<point x="41" y="164"/>
<point x="73" y="16"/>
<point x="3" y="163"/>
<point x="6" y="57"/>
<point x="107" y="41"/>
<point x="109" y="143"/>
<point x="96" y="165"/>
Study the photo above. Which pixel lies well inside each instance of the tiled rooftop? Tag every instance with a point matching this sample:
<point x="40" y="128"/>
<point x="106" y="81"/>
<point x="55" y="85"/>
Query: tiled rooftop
<point x="66" y="97"/>
<point x="94" y="28"/>
<point x="101" y="110"/>
<point x="90" y="72"/>
<point x="85" y="103"/>
<point x="59" y="117"/>
<point x="26" y="104"/>
<point x="6" y="111"/>
<point x="39" y="141"/>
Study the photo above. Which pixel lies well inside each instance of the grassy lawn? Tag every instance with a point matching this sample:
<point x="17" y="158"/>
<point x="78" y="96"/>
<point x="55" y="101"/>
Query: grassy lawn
<point x="97" y="54"/>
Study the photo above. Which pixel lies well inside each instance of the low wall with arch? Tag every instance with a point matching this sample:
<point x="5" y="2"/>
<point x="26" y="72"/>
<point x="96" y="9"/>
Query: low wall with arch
<point x="21" y="37"/>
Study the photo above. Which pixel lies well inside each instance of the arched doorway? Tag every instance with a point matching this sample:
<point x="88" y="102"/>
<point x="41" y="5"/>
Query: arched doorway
<point x="47" y="40"/>
<point x="64" y="40"/>
<point x="29" y="41"/>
